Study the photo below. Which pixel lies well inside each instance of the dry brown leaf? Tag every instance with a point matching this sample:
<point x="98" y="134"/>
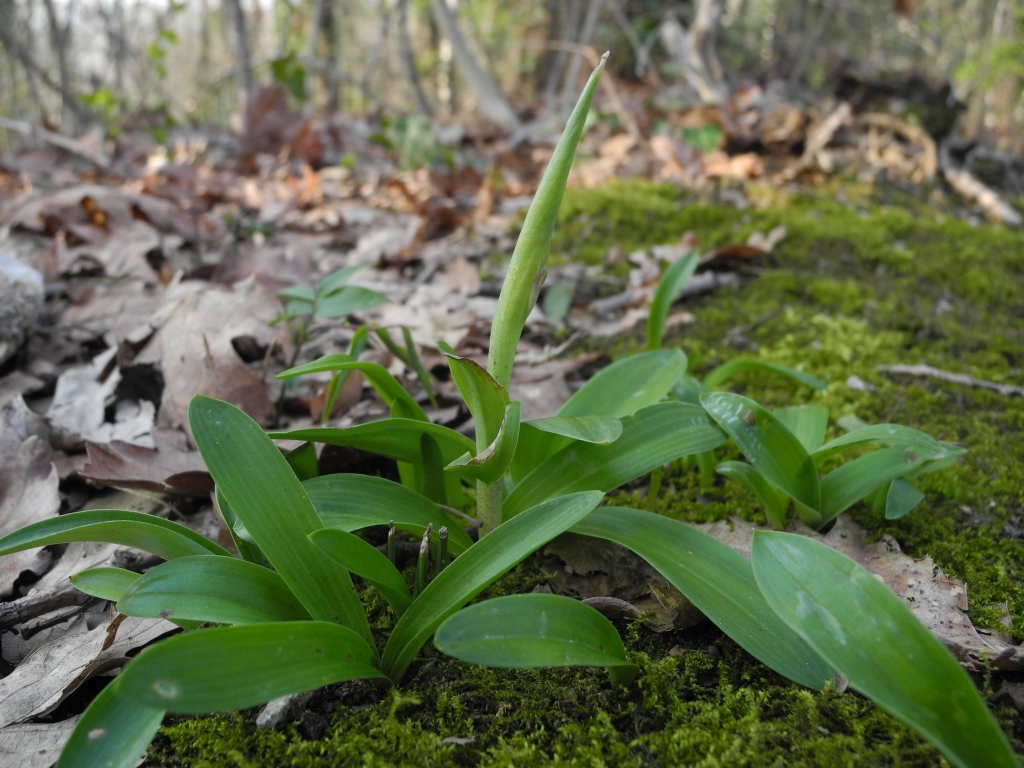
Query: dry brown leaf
<point x="52" y="672"/>
<point x="35" y="745"/>
<point x="169" y="468"/>
<point x="194" y="347"/>
<point x="937" y="600"/>
<point x="28" y="494"/>
<point x="80" y="402"/>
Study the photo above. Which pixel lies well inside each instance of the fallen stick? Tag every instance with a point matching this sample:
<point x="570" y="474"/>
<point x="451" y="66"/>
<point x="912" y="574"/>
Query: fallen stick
<point x="39" y="133"/>
<point x="956" y="378"/>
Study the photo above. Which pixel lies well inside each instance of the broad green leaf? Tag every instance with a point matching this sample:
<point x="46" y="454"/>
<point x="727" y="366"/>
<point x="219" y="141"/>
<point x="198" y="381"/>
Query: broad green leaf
<point x="227" y="668"/>
<point x="807" y="423"/>
<point x="774" y="503"/>
<point x="688" y="389"/>
<point x="362" y="559"/>
<point x="902" y="497"/>
<point x="334" y="281"/>
<point x="627" y="385"/>
<point x="651" y="437"/>
<point x="350" y="502"/>
<point x="893" y="435"/>
<point x="155" y="535"/>
<point x="866" y="632"/>
<point x="221" y="590"/>
<point x="534" y="630"/>
<point x="526" y="269"/>
<point x="397" y="439"/>
<point x="490" y="463"/>
<point x="718" y="580"/>
<point x="771" y="448"/>
<point x="104" y="583"/>
<point x="391" y="392"/>
<point x="270" y="501"/>
<point x="747" y="365"/>
<point x="540" y="438"/>
<point x="671" y="283"/>
<point x="113" y="732"/>
<point x="558" y="300"/>
<point x="349" y="299"/>
<point x="849" y="483"/>
<point x="470" y="573"/>
<point x="433" y="470"/>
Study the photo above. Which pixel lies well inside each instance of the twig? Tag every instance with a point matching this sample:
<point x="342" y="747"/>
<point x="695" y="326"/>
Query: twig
<point x="101" y="161"/>
<point x="927" y="371"/>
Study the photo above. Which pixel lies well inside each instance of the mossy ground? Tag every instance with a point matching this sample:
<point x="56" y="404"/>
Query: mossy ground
<point x="850" y="288"/>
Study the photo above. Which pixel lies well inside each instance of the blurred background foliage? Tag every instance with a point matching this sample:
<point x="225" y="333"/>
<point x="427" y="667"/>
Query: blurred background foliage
<point x="73" y="64"/>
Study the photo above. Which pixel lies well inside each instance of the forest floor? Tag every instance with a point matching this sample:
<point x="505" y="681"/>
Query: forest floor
<point x="161" y="279"/>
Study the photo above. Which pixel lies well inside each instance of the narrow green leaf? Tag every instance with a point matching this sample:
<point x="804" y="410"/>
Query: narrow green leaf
<point x="526" y="269"/>
<point x="489" y="464"/>
<point x="651" y="437"/>
<point x="849" y="483"/>
<point x="859" y="626"/>
<point x="350" y="502"/>
<point x="104" y="583"/>
<point x="397" y="439"/>
<point x="718" y="581"/>
<point x="270" y="501"/>
<point x="221" y="590"/>
<point x="393" y="394"/>
<point x="627" y="385"/>
<point x="470" y="573"/>
<point x="227" y="668"/>
<point x="893" y="435"/>
<point x="362" y="559"/>
<point x="303" y="461"/>
<point x="485" y="398"/>
<point x="344" y="302"/>
<point x="113" y="732"/>
<point x="771" y="448"/>
<point x="160" y="537"/>
<point x="558" y="300"/>
<point x="334" y="281"/>
<point x="807" y="423"/>
<point x="747" y="365"/>
<point x="301" y="292"/>
<point x="902" y="497"/>
<point x="533" y="630"/>
<point x="247" y="548"/>
<point x="671" y="283"/>
<point x="774" y="504"/>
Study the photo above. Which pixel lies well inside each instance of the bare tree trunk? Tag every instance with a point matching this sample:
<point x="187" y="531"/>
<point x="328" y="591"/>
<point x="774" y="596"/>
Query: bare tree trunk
<point x="493" y="104"/>
<point x="811" y="42"/>
<point x="694" y="50"/>
<point x="409" y="60"/>
<point x="332" y="75"/>
<point x="10" y="40"/>
<point x="569" y="87"/>
<point x="565" y="16"/>
<point x="60" y="38"/>
<point x="246" y="78"/>
<point x="315" y="23"/>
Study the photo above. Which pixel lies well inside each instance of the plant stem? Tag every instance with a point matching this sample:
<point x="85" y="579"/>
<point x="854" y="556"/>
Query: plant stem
<point x="488" y="505"/>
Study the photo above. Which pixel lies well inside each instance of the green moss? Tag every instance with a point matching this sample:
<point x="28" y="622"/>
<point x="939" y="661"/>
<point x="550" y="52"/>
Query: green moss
<point x="851" y="287"/>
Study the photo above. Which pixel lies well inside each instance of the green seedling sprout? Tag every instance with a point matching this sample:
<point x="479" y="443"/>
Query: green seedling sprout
<point x="289" y="619"/>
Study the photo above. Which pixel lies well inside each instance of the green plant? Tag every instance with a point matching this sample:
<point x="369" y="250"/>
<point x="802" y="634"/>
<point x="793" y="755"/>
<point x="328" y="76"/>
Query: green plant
<point x="293" y="621"/>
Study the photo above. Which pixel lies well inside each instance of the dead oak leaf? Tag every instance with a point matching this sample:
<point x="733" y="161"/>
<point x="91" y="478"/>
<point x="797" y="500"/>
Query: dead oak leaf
<point x="28" y="494"/>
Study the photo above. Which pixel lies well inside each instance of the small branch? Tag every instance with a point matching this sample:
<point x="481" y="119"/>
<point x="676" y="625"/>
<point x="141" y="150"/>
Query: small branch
<point x="927" y="371"/>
